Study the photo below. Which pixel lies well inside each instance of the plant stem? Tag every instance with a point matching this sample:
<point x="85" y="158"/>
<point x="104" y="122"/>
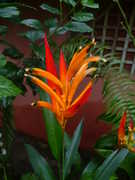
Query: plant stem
<point x="63" y="156"/>
<point x="60" y="10"/>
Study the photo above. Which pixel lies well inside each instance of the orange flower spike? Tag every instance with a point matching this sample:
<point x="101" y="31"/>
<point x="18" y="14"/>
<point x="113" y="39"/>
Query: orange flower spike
<point x="43" y="104"/>
<point x="79" y="101"/>
<point x="47" y="75"/>
<point x="46" y="88"/>
<point x="121" y="130"/>
<point x="62" y="68"/>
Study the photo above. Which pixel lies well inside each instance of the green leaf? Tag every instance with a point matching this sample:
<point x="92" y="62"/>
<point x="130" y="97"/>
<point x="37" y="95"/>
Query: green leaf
<point x="128" y="165"/>
<point x="52" y="24"/>
<point x="53" y="129"/>
<point x="33" y="23"/>
<point x="29" y="177"/>
<point x="71" y="2"/>
<point x="3" y="60"/>
<point x="39" y="164"/>
<point x="83" y="16"/>
<point x="13" y="52"/>
<point x="77" y="27"/>
<point x="87" y="173"/>
<point x="33" y="35"/>
<point x="7" y="88"/>
<point x="109" y="166"/>
<point x="50" y="9"/>
<point x="3" y="29"/>
<point x="90" y="4"/>
<point x="69" y="158"/>
<point x="9" y="12"/>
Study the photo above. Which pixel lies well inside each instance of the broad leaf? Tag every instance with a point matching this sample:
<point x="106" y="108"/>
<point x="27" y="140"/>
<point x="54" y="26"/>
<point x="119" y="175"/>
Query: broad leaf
<point x="33" y="23"/>
<point x="3" y="29"/>
<point x="69" y="158"/>
<point x="33" y="35"/>
<point x="52" y="24"/>
<point x="39" y="164"/>
<point x="77" y="27"/>
<point x="83" y="16"/>
<point x="90" y="3"/>
<point x="7" y="88"/>
<point x="8" y="12"/>
<point x="109" y="166"/>
<point x="50" y="9"/>
<point x="3" y="60"/>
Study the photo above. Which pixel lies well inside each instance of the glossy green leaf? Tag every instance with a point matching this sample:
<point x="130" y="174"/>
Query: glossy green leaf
<point x="13" y="52"/>
<point x="83" y="16"/>
<point x="71" y="2"/>
<point x="128" y="165"/>
<point x="77" y="27"/>
<point x="69" y="158"/>
<point x="3" y="29"/>
<point x="50" y="9"/>
<point x="29" y="177"/>
<point x="90" y="4"/>
<point x="109" y="166"/>
<point x="8" y="88"/>
<point x="87" y="173"/>
<point x="39" y="164"/>
<point x="33" y="23"/>
<point x="3" y="60"/>
<point x="33" y="35"/>
<point x="9" y="12"/>
<point x="53" y="129"/>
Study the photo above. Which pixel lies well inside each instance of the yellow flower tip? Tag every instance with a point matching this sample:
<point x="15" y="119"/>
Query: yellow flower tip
<point x="93" y="41"/>
<point x="104" y="60"/>
<point x="33" y="104"/>
<point x="26" y="75"/>
<point x="27" y="70"/>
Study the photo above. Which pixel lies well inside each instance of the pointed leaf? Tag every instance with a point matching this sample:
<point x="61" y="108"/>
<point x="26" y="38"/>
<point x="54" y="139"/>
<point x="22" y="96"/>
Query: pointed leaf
<point x="78" y="27"/>
<point x="9" y="12"/>
<point x="39" y="164"/>
<point x="50" y="9"/>
<point x="72" y="150"/>
<point x="33" y="23"/>
<point x="71" y="2"/>
<point x="109" y="166"/>
<point x="83" y="16"/>
<point x="90" y="4"/>
<point x="3" y="60"/>
<point x="33" y="35"/>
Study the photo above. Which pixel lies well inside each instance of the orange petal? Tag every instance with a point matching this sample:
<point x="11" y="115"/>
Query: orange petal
<point x="44" y="104"/>
<point x="82" y="98"/>
<point x="49" y="90"/>
<point x="47" y="75"/>
<point x="77" y="61"/>
<point x="121" y="129"/>
<point x="76" y="81"/>
<point x="93" y="59"/>
<point x="62" y="68"/>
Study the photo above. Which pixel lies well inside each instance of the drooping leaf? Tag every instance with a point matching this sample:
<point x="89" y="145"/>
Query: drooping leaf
<point x="83" y="16"/>
<point x="33" y="35"/>
<point x="90" y="4"/>
<point x="50" y="9"/>
<point x="2" y="60"/>
<point x="33" y="23"/>
<point x="77" y="27"/>
<point x="9" y="12"/>
<point x="7" y="88"/>
<point x="13" y="52"/>
<point x="109" y="166"/>
<point x="39" y="164"/>
<point x="3" y="29"/>
<point x="69" y="157"/>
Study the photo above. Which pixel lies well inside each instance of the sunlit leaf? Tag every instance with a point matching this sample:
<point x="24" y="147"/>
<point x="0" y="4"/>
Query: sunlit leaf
<point x="8" y="12"/>
<point x="33" y="23"/>
<point x="90" y="4"/>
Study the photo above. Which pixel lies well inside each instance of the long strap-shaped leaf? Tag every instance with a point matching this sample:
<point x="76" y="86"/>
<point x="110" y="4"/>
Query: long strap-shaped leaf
<point x="39" y="164"/>
<point x="110" y="164"/>
<point x="69" y="158"/>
